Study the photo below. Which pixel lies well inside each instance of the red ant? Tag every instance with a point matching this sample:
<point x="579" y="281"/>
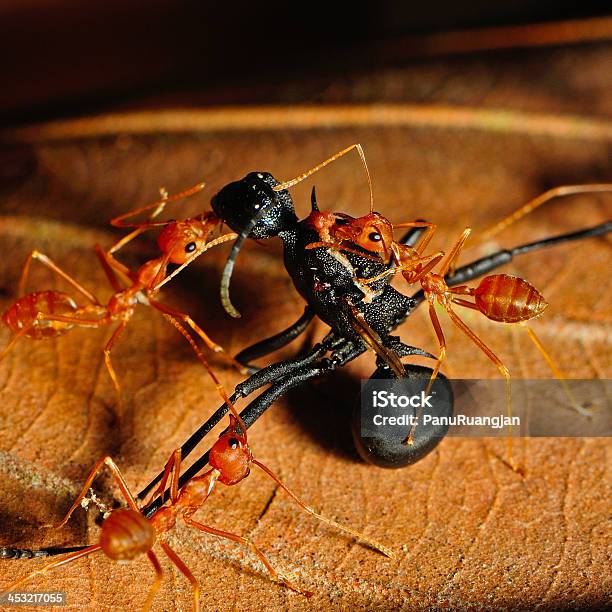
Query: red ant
<point x="44" y="314"/>
<point x="127" y="533"/>
<point x="500" y="297"/>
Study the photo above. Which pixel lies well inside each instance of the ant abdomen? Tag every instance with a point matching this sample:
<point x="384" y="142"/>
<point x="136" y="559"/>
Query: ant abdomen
<point x="126" y="534"/>
<point x="23" y="314"/>
<point x="508" y="299"/>
<point x="383" y="444"/>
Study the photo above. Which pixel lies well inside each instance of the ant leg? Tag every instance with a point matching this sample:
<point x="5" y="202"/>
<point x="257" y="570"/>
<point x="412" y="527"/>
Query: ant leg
<point x="435" y="321"/>
<point x="159" y="574"/>
<point x="556" y="371"/>
<point x="205" y="363"/>
<point x="449" y="262"/>
<point x="373" y="340"/>
<point x="13" y="341"/>
<point x="186" y="319"/>
<point x="269" y="345"/>
<point x="157" y="206"/>
<point x="411" y="236"/>
<point x="173" y="465"/>
<point x="429" y="261"/>
<point x="109" y="364"/>
<point x="298" y="179"/>
<point x="76" y="321"/>
<point x="371" y="542"/>
<point x="54" y="268"/>
<point x="487" y="264"/>
<point x="186" y="571"/>
<point x="547" y="196"/>
<point x="409" y="440"/>
<point x="500" y="366"/>
<point x="111" y="266"/>
<point x="424" y="237"/>
<point x="69" y="559"/>
<point x="109" y="463"/>
<point x="249" y="544"/>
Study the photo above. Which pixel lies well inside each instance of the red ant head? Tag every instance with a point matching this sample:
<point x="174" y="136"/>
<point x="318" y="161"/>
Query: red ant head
<point x="372" y="232"/>
<point x="231" y="455"/>
<point x="180" y="239"/>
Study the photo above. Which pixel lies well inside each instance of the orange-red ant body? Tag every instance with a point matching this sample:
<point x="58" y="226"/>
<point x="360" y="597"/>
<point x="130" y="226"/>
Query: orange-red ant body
<point x="500" y="297"/>
<point x="44" y="314"/>
<point x="127" y="533"/>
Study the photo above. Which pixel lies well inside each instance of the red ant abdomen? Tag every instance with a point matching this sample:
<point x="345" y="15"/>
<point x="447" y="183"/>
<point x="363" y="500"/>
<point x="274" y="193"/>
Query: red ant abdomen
<point x="126" y="534"/>
<point x="508" y="299"/>
<point x="22" y="314"/>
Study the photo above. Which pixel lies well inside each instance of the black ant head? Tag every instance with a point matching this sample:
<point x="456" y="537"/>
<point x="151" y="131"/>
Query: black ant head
<point x="253" y="209"/>
<point x="251" y="204"/>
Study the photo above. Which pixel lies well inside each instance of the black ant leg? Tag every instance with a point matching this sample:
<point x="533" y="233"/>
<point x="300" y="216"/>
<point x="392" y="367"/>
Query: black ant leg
<point x="346" y="351"/>
<point x="269" y="345"/>
<point x="27" y="553"/>
<point x="270" y="374"/>
<point x="486" y="264"/>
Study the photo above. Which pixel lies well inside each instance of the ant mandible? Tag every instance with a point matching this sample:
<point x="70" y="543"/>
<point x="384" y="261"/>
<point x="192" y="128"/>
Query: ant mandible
<point x="127" y="533"/>
<point x="50" y="313"/>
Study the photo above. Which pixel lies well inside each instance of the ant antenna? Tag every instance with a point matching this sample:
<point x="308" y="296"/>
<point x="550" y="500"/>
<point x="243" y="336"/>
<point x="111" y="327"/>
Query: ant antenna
<point x="551" y="194"/>
<point x="305" y="175"/>
<point x="192" y="258"/>
<point x="356" y="534"/>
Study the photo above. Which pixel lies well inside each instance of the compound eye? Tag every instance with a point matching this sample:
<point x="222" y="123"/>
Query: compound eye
<point x="375" y="237"/>
<point x="190" y="247"/>
<point x="233" y="443"/>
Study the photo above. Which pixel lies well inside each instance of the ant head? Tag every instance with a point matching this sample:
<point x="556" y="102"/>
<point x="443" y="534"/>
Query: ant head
<point x="372" y="232"/>
<point x="180" y="239"/>
<point x="231" y="455"/>
<point x="253" y="209"/>
<point x="252" y="205"/>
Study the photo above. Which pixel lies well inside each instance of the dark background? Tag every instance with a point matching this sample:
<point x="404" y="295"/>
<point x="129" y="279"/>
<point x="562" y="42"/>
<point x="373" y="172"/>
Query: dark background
<point x="61" y="57"/>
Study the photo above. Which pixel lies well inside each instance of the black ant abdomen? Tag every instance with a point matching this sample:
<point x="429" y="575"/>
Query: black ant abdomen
<point x="381" y="443"/>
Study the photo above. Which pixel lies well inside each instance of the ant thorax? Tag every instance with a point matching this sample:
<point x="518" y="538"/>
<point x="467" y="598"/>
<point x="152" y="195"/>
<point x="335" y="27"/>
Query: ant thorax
<point x="151" y="271"/>
<point x="435" y="284"/>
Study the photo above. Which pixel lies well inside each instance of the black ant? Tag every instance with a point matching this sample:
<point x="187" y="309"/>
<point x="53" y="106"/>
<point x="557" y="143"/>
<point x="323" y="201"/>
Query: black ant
<point x="127" y="533"/>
